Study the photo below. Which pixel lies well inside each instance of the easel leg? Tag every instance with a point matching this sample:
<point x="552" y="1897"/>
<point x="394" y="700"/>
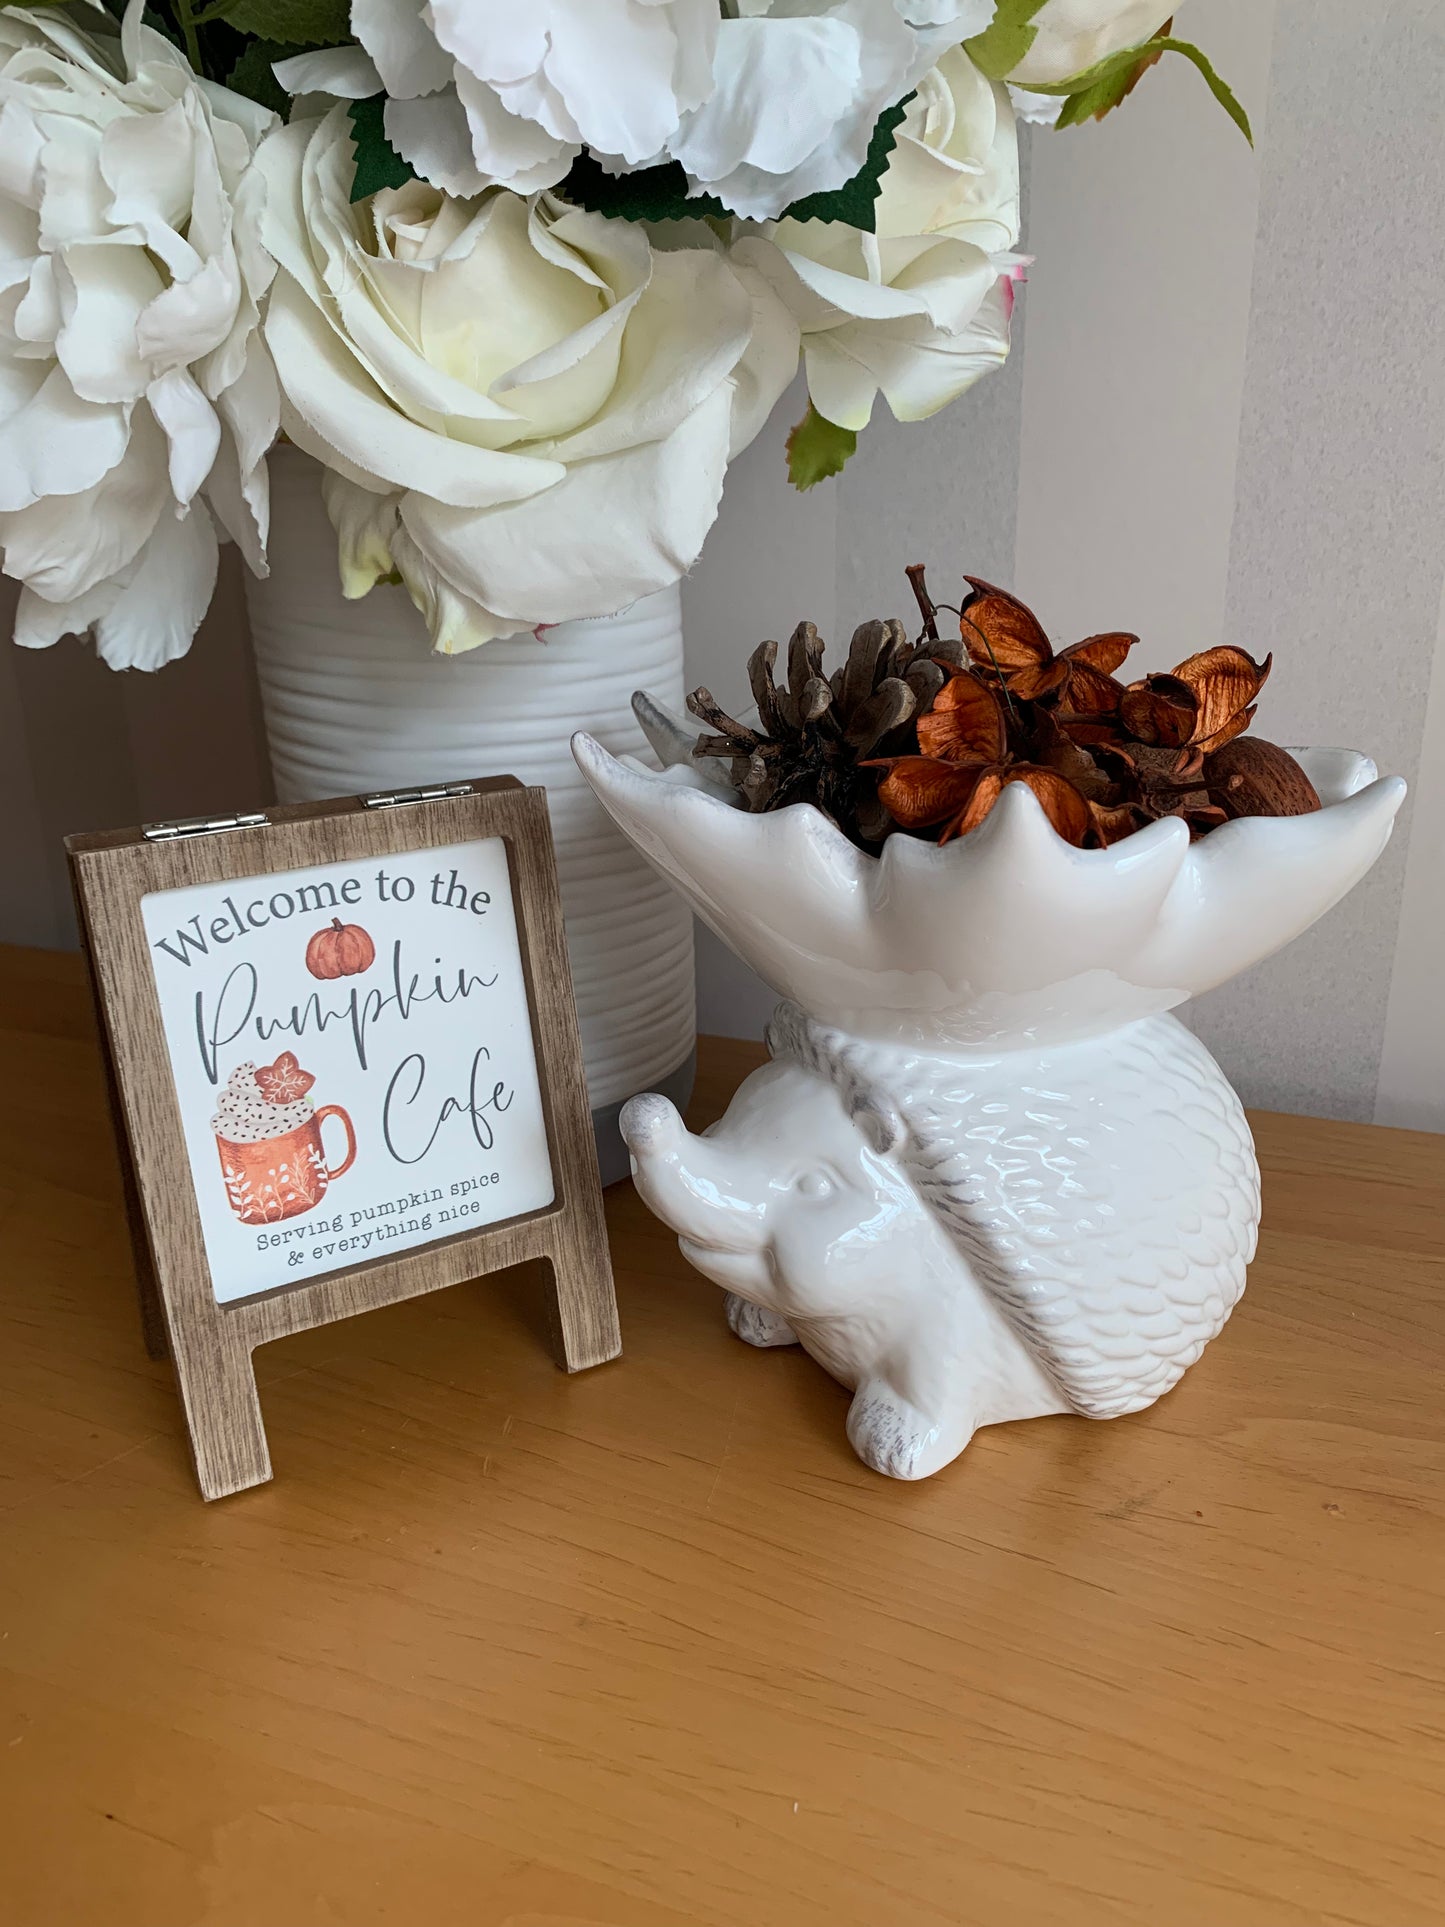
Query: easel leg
<point x="223" y="1415"/>
<point x="584" y="1310"/>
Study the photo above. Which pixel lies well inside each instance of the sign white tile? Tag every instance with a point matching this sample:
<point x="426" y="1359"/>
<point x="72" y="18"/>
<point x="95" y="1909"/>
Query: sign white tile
<point x="424" y="1059"/>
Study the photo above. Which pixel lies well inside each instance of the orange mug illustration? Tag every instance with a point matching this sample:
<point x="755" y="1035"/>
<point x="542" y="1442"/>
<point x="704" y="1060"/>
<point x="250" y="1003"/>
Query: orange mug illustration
<point x="272" y="1159"/>
<point x="283" y="1176"/>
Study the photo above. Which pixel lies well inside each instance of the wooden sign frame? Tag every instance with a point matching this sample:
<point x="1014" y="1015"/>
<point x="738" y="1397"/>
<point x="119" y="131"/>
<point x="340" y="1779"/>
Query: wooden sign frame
<point x="209" y="1342"/>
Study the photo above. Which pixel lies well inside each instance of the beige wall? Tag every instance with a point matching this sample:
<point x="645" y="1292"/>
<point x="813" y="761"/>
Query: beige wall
<point x="82" y="748"/>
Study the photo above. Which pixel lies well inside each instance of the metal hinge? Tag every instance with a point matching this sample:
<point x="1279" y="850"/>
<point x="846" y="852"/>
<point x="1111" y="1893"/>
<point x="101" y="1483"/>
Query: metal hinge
<point x="388" y="799"/>
<point x="202" y="826"/>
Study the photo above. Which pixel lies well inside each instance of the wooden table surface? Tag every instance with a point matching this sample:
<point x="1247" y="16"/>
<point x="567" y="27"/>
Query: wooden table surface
<point x="500" y="1648"/>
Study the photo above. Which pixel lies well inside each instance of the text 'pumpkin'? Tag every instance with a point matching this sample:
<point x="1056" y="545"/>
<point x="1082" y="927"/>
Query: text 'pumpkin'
<point x="341" y="950"/>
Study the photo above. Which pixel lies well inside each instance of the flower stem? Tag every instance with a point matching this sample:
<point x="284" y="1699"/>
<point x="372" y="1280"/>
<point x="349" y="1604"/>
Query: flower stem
<point x="927" y="608"/>
<point x="187" y="23"/>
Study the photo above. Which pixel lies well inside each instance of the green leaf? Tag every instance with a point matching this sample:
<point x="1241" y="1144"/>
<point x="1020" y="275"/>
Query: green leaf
<point x="1006" y="39"/>
<point x="650" y="194"/>
<point x="1220" y="89"/>
<point x="854" y="201"/>
<point x="818" y="448"/>
<point x="378" y="164"/>
<point x="660" y="193"/>
<point x="1103" y="96"/>
<point x="252" y="75"/>
<point x="1101" y="83"/>
<point x="296" y="23"/>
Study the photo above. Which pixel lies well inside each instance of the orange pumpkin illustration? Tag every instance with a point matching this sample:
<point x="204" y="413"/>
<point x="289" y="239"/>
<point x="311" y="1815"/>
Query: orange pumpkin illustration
<point x="341" y="950"/>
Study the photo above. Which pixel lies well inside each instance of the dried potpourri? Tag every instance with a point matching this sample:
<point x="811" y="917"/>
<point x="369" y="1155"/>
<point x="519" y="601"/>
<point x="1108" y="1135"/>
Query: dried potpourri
<point x="925" y="736"/>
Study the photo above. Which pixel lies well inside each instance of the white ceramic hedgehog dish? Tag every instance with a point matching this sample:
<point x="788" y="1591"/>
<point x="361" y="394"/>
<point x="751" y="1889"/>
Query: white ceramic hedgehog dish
<point x="986" y="1176"/>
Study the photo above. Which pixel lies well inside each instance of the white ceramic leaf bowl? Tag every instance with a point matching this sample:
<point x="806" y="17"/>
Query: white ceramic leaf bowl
<point x="1008" y="935"/>
<point x="986" y="1175"/>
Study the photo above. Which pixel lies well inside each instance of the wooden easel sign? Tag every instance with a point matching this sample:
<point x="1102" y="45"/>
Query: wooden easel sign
<point x="345" y="1070"/>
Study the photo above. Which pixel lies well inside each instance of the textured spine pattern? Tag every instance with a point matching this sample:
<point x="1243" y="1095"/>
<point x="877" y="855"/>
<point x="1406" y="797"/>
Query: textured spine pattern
<point x="1105" y="1193"/>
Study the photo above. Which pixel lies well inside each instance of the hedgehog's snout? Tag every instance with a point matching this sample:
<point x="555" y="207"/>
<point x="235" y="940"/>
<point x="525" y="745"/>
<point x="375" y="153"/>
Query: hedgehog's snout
<point x="650" y="1125"/>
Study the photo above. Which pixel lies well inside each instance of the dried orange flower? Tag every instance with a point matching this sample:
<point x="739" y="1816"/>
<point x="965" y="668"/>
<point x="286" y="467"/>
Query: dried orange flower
<point x="1200" y="706"/>
<point x="1004" y="635"/>
<point x="965" y="767"/>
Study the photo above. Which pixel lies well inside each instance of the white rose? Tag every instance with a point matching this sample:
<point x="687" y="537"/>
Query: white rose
<point x="798" y="88"/>
<point x="134" y="390"/>
<point x="954" y="168"/>
<point x="920" y="308"/>
<point x="487" y="95"/>
<point x="527" y="412"/>
<point x="1071" y="35"/>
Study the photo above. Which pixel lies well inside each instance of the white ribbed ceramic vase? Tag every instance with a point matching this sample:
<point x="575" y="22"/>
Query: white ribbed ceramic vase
<point x="355" y="700"/>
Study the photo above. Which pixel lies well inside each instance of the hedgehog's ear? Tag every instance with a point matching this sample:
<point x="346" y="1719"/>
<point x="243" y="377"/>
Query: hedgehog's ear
<point x="880" y="1124"/>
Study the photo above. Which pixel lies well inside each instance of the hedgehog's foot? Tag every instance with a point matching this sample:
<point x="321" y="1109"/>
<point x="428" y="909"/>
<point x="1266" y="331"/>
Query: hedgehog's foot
<point x="756" y="1325"/>
<point x="895" y="1438"/>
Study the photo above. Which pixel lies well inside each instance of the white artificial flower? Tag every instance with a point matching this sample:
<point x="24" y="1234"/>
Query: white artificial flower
<point x="525" y="410"/>
<point x="954" y="168"/>
<point x="136" y="399"/>
<point x="487" y="95"/>
<point x="1039" y="110"/>
<point x="798" y="88"/>
<point x="1071" y="35"/>
<point x="920" y="308"/>
<point x="776" y="100"/>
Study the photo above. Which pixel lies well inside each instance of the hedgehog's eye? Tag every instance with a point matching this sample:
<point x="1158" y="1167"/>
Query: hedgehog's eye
<point x="813" y="1184"/>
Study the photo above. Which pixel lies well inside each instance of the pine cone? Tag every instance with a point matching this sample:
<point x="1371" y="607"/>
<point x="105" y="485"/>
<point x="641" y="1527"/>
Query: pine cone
<point x="813" y="734"/>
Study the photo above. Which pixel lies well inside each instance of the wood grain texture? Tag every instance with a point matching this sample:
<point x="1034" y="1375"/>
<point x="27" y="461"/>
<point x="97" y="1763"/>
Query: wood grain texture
<point x="645" y="1647"/>
<point x="211" y="1344"/>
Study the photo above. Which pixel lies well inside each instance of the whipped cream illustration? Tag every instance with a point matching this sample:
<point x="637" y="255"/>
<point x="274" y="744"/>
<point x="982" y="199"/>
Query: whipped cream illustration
<point x="246" y="1114"/>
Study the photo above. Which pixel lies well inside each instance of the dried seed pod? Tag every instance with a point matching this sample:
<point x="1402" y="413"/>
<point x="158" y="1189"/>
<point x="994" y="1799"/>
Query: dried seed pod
<point x="926" y="735"/>
<point x="1252" y="777"/>
<point x="1225" y="681"/>
<point x="1159" y="710"/>
<point x="1046" y="743"/>
<point x="1114" y="821"/>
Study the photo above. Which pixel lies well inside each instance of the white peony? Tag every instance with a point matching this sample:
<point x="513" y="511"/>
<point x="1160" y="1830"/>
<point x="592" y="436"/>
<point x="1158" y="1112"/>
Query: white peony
<point x="486" y="95"/>
<point x="1071" y="35"/>
<point x="525" y="410"/>
<point x="919" y="309"/>
<point x="775" y="101"/>
<point x="798" y="88"/>
<point x="136" y="399"/>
